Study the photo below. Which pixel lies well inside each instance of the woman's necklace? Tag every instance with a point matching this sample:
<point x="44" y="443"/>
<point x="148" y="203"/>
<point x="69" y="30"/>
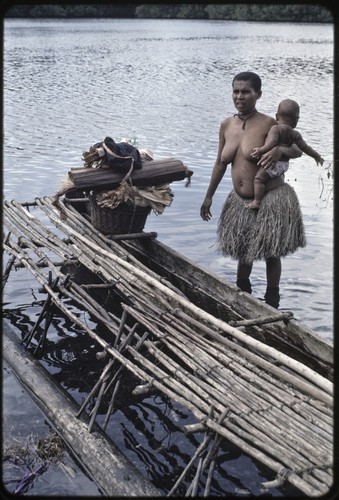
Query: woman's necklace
<point x="245" y="119"/>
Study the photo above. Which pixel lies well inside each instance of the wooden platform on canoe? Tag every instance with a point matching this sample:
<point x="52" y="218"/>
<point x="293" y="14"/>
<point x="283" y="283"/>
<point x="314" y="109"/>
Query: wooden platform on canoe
<point x="248" y="373"/>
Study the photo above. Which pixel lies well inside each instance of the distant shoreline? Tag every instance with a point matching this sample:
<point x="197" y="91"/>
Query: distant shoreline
<point x="290" y="13"/>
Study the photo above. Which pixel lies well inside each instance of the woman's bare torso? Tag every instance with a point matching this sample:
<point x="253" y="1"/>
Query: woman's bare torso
<point x="239" y="144"/>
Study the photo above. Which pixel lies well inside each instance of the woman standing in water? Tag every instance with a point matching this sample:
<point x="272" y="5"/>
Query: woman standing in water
<point x="274" y="230"/>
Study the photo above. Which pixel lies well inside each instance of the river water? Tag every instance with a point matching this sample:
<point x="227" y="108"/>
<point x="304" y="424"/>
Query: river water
<point x="166" y="85"/>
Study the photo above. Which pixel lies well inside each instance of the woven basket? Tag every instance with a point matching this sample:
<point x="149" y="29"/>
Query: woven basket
<point x="124" y="219"/>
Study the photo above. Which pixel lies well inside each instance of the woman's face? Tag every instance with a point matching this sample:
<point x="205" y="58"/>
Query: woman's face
<point x="244" y="96"/>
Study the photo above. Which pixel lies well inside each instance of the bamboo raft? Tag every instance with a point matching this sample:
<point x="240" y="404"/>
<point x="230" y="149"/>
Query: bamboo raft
<point x="239" y="388"/>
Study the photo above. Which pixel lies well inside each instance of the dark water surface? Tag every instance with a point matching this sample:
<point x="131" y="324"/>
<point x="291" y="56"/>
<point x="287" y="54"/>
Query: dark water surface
<point x="167" y="85"/>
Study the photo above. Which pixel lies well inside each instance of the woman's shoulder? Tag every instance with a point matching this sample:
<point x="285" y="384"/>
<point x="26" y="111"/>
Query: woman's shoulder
<point x="267" y="119"/>
<point x="225" y="123"/>
<point x="226" y="120"/>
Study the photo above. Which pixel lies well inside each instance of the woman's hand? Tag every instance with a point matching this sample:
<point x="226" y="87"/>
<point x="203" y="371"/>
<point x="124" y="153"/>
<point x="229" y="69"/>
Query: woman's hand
<point x="270" y="158"/>
<point x="205" y="212"/>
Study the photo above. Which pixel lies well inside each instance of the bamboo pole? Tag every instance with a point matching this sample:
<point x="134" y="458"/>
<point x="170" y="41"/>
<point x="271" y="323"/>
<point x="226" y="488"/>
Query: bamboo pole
<point x="92" y="307"/>
<point x="264" y="390"/>
<point x="233" y="353"/>
<point x="284" y="316"/>
<point x="252" y="406"/>
<point x="201" y="448"/>
<point x="111" y="403"/>
<point x="260" y="361"/>
<point x="30" y="335"/>
<point x="9" y="264"/>
<point x="95" y="388"/>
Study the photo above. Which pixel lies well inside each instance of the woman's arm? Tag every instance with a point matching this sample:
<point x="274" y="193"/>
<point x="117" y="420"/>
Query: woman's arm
<point x="218" y="173"/>
<point x="274" y="155"/>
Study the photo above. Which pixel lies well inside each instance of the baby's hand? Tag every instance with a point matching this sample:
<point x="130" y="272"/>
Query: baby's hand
<point x="319" y="160"/>
<point x="256" y="153"/>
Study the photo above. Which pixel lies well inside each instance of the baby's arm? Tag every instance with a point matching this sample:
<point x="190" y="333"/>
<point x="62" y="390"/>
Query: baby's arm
<point x="271" y="140"/>
<point x="302" y="144"/>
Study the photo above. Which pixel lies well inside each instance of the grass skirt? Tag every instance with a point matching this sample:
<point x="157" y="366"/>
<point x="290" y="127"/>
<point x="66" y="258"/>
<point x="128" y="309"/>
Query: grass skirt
<point x="276" y="229"/>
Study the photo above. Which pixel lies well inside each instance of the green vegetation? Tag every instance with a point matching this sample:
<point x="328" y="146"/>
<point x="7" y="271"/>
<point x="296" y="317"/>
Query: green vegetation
<point x="234" y="12"/>
<point x="72" y="10"/>
<point x="237" y="12"/>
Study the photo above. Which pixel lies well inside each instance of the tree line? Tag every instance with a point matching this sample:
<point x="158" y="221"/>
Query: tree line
<point x="232" y="12"/>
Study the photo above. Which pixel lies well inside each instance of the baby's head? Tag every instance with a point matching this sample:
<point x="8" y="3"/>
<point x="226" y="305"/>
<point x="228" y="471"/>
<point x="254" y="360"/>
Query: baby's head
<point x="288" y="113"/>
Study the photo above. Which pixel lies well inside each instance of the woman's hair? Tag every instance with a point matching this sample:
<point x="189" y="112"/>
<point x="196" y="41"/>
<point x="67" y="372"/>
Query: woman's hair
<point x="250" y="77"/>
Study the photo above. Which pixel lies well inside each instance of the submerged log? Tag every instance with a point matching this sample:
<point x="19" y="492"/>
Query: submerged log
<point x="152" y="173"/>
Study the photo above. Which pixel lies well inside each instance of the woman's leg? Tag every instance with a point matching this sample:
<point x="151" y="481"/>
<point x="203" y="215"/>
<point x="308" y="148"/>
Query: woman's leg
<point x="273" y="271"/>
<point x="243" y="275"/>
<point x="273" y="274"/>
